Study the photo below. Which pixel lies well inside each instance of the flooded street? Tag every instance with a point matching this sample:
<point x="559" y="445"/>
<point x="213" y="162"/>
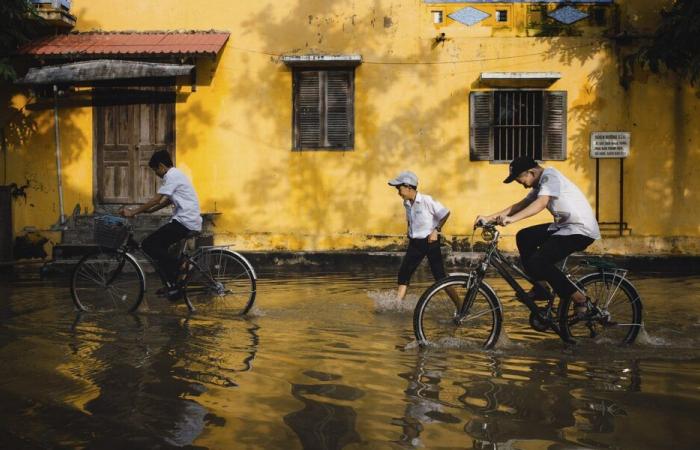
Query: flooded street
<point x="328" y="361"/>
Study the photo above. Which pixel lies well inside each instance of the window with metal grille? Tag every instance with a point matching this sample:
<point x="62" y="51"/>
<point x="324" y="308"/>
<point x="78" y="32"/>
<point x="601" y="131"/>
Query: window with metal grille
<point x="324" y="109"/>
<point x="505" y="124"/>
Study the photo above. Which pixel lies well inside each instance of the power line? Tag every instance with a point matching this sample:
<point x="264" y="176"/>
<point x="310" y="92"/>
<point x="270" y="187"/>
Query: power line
<point x="462" y="61"/>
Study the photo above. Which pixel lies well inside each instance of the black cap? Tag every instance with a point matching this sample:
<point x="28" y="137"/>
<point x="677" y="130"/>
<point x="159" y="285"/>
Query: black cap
<point x="518" y="166"/>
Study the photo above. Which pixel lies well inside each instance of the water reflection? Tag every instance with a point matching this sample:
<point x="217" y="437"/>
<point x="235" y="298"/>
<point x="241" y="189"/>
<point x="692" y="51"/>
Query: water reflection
<point x="324" y="424"/>
<point x="320" y="366"/>
<point x="146" y="372"/>
<point x="507" y="400"/>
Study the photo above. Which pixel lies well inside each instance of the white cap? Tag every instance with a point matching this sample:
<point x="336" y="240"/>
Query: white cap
<point x="405" y="177"/>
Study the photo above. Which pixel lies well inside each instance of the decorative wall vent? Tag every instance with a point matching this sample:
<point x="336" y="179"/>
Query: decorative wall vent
<point x="468" y="16"/>
<point x="567" y="15"/>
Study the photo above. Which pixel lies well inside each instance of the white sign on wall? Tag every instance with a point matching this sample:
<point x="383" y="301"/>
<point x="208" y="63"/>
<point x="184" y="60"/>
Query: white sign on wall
<point x="610" y="144"/>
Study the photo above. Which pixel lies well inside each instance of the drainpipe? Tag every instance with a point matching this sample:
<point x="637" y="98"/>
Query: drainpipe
<point x="58" y="155"/>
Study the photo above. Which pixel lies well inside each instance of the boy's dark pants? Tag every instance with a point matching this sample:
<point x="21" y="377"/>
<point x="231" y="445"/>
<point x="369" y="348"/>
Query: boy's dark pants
<point x="156" y="246"/>
<point x="417" y="250"/>
<point x="540" y="250"/>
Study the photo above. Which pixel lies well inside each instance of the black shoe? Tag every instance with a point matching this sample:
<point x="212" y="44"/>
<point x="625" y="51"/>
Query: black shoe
<point x="174" y="294"/>
<point x="539" y="293"/>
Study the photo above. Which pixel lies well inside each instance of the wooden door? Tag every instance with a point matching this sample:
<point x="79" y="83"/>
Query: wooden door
<point x="129" y="127"/>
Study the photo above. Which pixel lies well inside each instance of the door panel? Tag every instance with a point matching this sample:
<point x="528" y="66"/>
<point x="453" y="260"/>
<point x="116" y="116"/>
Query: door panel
<point x="128" y="131"/>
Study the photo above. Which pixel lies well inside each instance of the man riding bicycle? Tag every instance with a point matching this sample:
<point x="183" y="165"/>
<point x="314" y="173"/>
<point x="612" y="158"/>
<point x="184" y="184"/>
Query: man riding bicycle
<point x="542" y="246"/>
<point x="176" y="190"/>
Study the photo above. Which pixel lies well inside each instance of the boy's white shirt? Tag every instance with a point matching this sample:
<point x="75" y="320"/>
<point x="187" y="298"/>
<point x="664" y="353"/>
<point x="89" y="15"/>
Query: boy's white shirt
<point x="181" y="193"/>
<point x="423" y="216"/>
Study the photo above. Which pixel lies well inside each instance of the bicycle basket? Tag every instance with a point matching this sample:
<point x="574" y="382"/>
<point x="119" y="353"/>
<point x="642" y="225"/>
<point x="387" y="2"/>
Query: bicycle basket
<point x="110" y="231"/>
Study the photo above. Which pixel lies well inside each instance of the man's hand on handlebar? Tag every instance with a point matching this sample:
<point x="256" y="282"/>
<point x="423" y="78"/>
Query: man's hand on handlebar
<point x="125" y="212"/>
<point x="480" y="221"/>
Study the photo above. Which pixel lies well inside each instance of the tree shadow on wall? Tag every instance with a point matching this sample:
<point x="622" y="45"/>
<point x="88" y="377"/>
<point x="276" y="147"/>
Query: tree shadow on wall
<point x="388" y="136"/>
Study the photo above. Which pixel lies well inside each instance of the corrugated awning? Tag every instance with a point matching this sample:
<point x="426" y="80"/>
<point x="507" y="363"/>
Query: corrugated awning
<point x="141" y="44"/>
<point x="101" y="70"/>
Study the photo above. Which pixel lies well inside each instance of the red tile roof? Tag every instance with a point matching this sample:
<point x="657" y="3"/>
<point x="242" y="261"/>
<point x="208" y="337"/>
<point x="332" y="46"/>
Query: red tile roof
<point x="132" y="43"/>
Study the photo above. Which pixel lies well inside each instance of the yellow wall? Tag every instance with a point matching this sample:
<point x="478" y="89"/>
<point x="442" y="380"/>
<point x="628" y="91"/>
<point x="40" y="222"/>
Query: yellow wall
<point x="234" y="131"/>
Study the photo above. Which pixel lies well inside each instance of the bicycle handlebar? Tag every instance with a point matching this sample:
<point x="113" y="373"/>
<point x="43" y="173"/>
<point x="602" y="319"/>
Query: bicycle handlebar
<point x="486" y="225"/>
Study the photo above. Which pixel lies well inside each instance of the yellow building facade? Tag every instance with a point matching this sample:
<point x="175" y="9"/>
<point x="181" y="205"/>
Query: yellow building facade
<point x="412" y="109"/>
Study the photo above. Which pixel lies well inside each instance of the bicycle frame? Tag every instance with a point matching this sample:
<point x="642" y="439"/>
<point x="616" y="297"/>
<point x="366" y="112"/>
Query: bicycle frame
<point x="494" y="258"/>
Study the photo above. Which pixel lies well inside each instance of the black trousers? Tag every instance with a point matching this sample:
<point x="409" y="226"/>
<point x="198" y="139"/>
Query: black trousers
<point x="156" y="246"/>
<point x="417" y="250"/>
<point x="540" y="250"/>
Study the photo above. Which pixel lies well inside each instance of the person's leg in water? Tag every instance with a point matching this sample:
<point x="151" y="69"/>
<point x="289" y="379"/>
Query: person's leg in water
<point x="411" y="260"/>
<point x="553" y="250"/>
<point x="437" y="268"/>
<point x="528" y="240"/>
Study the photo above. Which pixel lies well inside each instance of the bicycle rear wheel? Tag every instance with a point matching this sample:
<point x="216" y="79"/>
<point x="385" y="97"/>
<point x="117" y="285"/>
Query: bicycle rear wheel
<point x="221" y="280"/>
<point x="617" y="314"/>
<point x="435" y="320"/>
<point x="107" y="280"/>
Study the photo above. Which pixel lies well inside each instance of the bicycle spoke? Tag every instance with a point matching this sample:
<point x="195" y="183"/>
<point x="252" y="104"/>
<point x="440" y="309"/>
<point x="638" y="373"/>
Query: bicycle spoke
<point x="221" y="282"/>
<point x="436" y="318"/>
<point x="106" y="281"/>
<point x="616" y="314"/>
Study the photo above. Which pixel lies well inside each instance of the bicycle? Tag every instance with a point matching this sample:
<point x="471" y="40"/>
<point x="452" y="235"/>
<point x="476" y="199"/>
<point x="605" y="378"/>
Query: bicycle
<point x="614" y="305"/>
<point x="110" y="278"/>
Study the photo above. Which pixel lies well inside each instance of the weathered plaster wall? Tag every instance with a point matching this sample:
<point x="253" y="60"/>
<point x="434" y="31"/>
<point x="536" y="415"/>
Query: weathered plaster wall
<point x="411" y="106"/>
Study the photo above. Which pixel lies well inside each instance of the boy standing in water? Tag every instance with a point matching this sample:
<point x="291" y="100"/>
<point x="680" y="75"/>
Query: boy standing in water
<point x="425" y="217"/>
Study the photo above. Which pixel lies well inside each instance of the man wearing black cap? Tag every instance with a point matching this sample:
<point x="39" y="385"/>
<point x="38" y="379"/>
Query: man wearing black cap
<point x="541" y="246"/>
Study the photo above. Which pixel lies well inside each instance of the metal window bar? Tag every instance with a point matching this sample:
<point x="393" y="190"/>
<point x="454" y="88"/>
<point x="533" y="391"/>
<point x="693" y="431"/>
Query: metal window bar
<point x="517" y="124"/>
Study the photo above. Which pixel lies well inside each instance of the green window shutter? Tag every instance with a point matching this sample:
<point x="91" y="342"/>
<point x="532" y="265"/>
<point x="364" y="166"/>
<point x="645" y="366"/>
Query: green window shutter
<point x="307" y="109"/>
<point x="480" y="131"/>
<point x="554" y="125"/>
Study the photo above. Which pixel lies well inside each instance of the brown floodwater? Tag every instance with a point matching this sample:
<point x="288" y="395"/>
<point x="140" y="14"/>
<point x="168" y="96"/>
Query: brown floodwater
<point x="328" y="361"/>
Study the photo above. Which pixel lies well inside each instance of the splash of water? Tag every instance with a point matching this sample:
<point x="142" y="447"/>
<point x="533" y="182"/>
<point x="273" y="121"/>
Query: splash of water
<point x="385" y="301"/>
<point x="645" y="338"/>
<point x="504" y="342"/>
<point x="256" y="312"/>
<point x="411" y="345"/>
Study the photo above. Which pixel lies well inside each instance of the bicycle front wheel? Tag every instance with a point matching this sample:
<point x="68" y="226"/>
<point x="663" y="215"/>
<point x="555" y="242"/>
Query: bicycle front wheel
<point x="107" y="280"/>
<point x="221" y="280"/>
<point x="437" y="320"/>
<point x="616" y="316"/>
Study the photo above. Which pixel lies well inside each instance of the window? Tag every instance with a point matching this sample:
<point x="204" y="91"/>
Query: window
<point x="509" y="123"/>
<point x="502" y="15"/>
<point x="324" y="109"/>
<point x="437" y="17"/>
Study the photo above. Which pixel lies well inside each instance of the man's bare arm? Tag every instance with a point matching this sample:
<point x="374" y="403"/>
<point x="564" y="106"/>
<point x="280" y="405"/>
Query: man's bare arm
<point x="157" y="202"/>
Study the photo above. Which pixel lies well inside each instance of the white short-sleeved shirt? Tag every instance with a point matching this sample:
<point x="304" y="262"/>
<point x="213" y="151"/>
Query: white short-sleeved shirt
<point x="181" y="193"/>
<point x="570" y="208"/>
<point x="423" y="216"/>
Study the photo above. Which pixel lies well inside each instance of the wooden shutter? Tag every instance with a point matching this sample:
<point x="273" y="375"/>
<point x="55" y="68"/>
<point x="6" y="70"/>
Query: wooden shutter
<point x="307" y="110"/>
<point x="480" y="130"/>
<point x="323" y="109"/>
<point x="155" y="122"/>
<point x="554" y="125"/>
<point x="339" y="109"/>
<point x="115" y="165"/>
